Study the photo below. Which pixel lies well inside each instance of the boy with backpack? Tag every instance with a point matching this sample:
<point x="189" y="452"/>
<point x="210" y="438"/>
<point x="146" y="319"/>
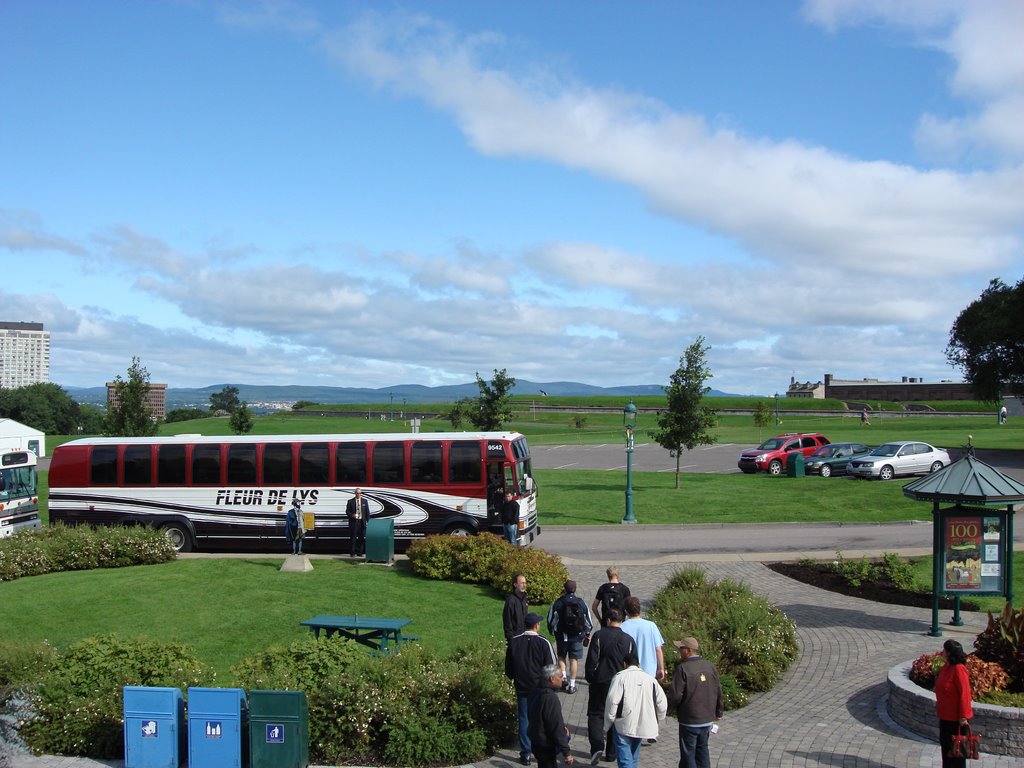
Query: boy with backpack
<point x="613" y="594"/>
<point x="569" y="623"/>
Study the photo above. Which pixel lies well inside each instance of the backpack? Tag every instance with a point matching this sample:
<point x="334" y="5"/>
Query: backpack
<point x="573" y="620"/>
<point x="612" y="598"/>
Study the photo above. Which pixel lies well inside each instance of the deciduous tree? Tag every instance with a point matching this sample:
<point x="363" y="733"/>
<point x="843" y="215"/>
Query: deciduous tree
<point x="46" y="407"/>
<point x="129" y="415"/>
<point x="492" y="408"/>
<point x="241" y="420"/>
<point x="226" y="400"/>
<point x="987" y="341"/>
<point x="686" y="422"/>
<point x="762" y="417"/>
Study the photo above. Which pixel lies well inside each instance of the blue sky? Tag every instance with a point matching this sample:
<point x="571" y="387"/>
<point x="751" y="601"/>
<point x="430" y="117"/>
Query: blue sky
<point x="373" y="194"/>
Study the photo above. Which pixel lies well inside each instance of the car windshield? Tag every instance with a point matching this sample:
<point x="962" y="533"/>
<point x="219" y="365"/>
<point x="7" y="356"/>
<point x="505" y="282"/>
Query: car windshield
<point x="889" y="449"/>
<point x="825" y="452"/>
<point x="772" y="445"/>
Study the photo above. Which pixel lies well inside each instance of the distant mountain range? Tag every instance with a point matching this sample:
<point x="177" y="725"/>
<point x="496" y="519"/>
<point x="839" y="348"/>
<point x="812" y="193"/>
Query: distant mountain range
<point x="260" y="394"/>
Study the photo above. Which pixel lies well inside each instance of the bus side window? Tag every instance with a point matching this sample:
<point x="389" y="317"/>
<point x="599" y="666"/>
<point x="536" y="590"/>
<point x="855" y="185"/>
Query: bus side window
<point x="103" y="465"/>
<point x="425" y="462"/>
<point x="464" y="462"/>
<point x="277" y="464"/>
<point x="314" y="464"/>
<point x="170" y="465"/>
<point x="388" y="462"/>
<point x="138" y="465"/>
<point x="206" y="465"/>
<point x="350" y="464"/>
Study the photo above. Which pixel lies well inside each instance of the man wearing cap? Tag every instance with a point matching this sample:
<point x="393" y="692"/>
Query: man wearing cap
<point x="569" y="623"/>
<point x="696" y="697"/>
<point x="608" y="648"/>
<point x="525" y="658"/>
<point x="357" y="510"/>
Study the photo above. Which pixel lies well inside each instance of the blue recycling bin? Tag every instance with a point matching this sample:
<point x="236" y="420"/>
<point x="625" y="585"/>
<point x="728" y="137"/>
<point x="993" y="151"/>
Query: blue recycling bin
<point x="217" y="728"/>
<point x="154" y="727"/>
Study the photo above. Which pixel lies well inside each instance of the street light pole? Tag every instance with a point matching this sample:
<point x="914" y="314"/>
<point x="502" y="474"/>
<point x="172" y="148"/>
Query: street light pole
<point x="776" y="409"/>
<point x="391" y="406"/>
<point x="629" y="420"/>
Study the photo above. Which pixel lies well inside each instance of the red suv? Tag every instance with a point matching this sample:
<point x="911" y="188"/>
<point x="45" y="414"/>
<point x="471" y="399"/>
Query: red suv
<point x="771" y="455"/>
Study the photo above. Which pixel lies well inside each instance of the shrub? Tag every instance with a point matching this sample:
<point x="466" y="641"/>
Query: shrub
<point x="414" y="709"/>
<point x="306" y="664"/>
<point x="62" y="548"/>
<point x="489" y="559"/>
<point x="898" y="571"/>
<point x="77" y="707"/>
<point x="750" y="641"/>
<point x="985" y="676"/>
<point x="854" y="572"/>
<point x="1002" y="642"/>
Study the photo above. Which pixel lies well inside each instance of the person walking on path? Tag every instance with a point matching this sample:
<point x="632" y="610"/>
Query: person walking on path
<point x="952" y="700"/>
<point x="696" y="697"/>
<point x="510" y="518"/>
<point x="513" y="615"/>
<point x="632" y="710"/>
<point x="525" y="658"/>
<point x="357" y="510"/>
<point x="648" y="639"/>
<point x="293" y="527"/>
<point x="608" y="649"/>
<point x="569" y="623"/>
<point x="612" y="594"/>
<point x="547" y="731"/>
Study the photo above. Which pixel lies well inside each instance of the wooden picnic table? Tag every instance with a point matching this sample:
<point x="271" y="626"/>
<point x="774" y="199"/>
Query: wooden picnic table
<point x="381" y="634"/>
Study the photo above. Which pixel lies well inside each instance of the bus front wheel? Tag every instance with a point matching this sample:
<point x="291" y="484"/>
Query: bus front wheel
<point x="179" y="537"/>
<point x="458" y="529"/>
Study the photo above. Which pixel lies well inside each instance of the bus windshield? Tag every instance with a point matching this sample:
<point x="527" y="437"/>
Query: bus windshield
<point x="17" y="483"/>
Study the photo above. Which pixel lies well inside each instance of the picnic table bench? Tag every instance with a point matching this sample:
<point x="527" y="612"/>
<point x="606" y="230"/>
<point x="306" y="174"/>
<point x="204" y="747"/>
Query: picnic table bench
<point x="380" y="634"/>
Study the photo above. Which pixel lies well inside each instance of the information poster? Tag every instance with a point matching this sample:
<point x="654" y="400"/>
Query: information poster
<point x="973" y="553"/>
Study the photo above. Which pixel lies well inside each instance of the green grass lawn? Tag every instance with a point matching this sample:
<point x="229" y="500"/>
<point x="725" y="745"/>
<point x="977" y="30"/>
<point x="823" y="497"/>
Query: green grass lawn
<point x="591" y="497"/>
<point x="228" y="609"/>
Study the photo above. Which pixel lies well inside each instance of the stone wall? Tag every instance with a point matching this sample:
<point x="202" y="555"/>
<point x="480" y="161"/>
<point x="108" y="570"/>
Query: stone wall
<point x="1001" y="728"/>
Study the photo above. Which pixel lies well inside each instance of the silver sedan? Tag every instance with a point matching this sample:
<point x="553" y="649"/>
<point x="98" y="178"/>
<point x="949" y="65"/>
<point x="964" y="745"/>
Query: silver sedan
<point x="901" y="458"/>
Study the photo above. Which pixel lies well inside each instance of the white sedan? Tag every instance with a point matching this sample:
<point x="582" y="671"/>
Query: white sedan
<point x="902" y="458"/>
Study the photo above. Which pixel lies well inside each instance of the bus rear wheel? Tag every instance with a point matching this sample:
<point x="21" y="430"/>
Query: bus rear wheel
<point x="179" y="537"/>
<point x="458" y="529"/>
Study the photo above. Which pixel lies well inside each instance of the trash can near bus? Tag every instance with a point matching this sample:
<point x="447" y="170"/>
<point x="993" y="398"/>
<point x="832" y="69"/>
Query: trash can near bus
<point x="795" y="465"/>
<point x="380" y="540"/>
<point x="278" y="729"/>
<point x="154" y="727"/>
<point x="217" y="722"/>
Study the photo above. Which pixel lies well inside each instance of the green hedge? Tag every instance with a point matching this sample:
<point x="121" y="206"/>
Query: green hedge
<point x="61" y="548"/>
<point x="750" y="641"/>
<point x="489" y="559"/>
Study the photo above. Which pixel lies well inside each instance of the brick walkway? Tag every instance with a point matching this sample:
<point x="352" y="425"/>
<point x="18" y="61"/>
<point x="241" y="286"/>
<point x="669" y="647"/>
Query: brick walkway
<point x="829" y="710"/>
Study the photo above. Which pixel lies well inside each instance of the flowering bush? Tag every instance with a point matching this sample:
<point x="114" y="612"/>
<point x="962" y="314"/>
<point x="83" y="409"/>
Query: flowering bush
<point x="62" y="548"/>
<point x="1002" y="641"/>
<point x="986" y="677"/>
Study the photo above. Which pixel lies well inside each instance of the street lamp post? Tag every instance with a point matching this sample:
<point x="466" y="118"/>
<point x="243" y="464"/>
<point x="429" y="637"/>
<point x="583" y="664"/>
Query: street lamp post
<point x="629" y="421"/>
<point x="391" y="406"/>
<point x="776" y="409"/>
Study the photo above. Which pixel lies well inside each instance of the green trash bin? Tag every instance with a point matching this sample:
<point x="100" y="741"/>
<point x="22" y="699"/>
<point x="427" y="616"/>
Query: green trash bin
<point x="278" y="729"/>
<point x="380" y="540"/>
<point x="795" y="465"/>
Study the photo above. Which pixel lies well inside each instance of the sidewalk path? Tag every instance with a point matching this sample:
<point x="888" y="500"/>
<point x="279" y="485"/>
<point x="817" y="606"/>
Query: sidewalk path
<point x="829" y="710"/>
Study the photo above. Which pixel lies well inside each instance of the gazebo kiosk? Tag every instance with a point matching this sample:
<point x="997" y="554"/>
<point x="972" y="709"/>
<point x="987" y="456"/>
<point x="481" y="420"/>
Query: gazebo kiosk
<point x="972" y="541"/>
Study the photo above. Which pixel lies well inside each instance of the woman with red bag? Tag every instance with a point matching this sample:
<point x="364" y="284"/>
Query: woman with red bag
<point x="952" y="701"/>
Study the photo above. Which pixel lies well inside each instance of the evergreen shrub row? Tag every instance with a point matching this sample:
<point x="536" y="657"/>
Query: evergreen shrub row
<point x="74" y="548"/>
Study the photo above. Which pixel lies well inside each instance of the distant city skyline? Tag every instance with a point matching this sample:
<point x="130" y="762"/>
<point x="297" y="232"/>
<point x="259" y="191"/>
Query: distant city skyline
<point x="354" y="194"/>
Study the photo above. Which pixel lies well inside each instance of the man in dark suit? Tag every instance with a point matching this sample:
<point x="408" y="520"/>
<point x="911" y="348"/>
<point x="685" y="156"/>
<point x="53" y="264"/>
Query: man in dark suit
<point x="357" y="510"/>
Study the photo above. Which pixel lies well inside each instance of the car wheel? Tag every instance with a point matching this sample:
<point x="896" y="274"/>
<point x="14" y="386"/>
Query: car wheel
<point x="826" y="470"/>
<point x="886" y="473"/>
<point x="459" y="529"/>
<point x="936" y="466"/>
<point x="179" y="537"/>
<point x="775" y="467"/>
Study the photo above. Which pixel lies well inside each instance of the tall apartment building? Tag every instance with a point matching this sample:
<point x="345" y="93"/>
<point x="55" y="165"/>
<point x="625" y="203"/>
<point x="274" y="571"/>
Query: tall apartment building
<point x="24" y="355"/>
